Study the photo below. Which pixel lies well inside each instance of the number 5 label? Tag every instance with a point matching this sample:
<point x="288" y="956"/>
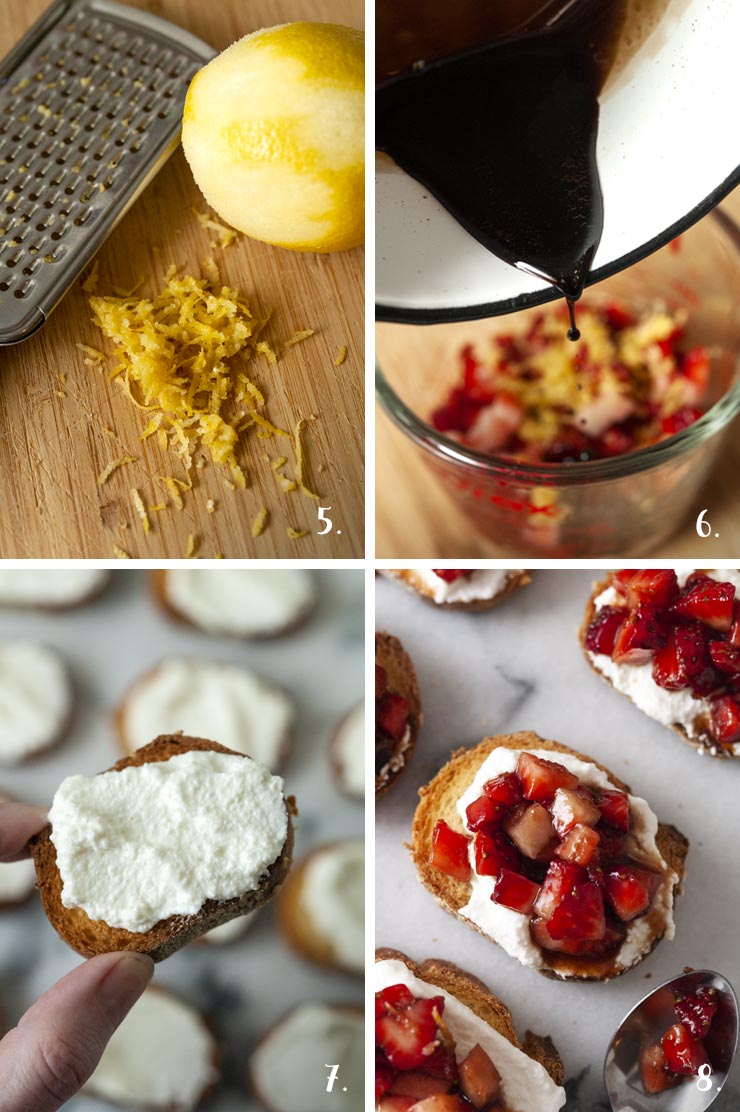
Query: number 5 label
<point x="323" y="510"/>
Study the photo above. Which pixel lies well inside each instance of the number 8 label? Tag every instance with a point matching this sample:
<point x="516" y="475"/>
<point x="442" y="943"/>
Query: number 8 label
<point x="704" y="1083"/>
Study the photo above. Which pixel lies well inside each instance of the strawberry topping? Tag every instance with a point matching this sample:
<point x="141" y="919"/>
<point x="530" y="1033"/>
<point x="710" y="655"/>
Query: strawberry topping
<point x="682" y="1051"/>
<point x="391" y="720"/>
<point x="450" y="852"/>
<point x="449" y="575"/>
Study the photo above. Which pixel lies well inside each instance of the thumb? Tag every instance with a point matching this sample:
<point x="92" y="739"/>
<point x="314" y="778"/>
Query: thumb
<point x="58" y="1043"/>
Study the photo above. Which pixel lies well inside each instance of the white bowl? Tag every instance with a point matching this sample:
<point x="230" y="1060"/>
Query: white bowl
<point x="668" y="151"/>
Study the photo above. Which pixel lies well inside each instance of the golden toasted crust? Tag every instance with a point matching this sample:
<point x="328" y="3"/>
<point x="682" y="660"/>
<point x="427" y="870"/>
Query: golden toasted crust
<point x="89" y="936"/>
<point x="119" y="714"/>
<point x="296" y="925"/>
<point x="158" y="581"/>
<point x="61" y="607"/>
<point x="704" y="743"/>
<point x="337" y="764"/>
<point x="259" y="1094"/>
<point x="438" y="800"/>
<point x="476" y="996"/>
<point x="516" y="580"/>
<point x="391" y="655"/>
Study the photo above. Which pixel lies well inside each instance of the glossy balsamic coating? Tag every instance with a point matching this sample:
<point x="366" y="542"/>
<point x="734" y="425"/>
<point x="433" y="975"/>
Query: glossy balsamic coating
<point x="504" y="135"/>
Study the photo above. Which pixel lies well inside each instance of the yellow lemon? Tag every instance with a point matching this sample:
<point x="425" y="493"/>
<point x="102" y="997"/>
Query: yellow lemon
<point x="274" y="131"/>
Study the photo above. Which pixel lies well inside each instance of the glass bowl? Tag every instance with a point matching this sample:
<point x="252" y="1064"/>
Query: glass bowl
<point x="623" y="506"/>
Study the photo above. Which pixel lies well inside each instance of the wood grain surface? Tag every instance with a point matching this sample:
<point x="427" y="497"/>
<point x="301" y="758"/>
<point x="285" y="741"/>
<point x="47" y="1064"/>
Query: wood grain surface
<point x="415" y="518"/>
<point x="53" y="443"/>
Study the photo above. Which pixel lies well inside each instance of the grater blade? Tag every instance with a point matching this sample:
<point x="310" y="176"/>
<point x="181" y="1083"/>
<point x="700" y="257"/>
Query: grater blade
<point x="91" y="103"/>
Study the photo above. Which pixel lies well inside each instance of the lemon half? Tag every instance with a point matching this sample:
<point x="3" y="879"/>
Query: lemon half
<point x="274" y="132"/>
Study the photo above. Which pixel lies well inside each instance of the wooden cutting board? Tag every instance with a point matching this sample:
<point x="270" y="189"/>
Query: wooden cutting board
<point x="54" y="411"/>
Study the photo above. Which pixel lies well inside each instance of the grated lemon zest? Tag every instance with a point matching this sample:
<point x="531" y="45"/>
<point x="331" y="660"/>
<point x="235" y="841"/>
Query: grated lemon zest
<point x="340" y="355"/>
<point x="264" y="349"/>
<point x="260" y="521"/>
<point x="279" y="462"/>
<point x="296" y="534"/>
<point x="114" y="464"/>
<point x="140" y="509"/>
<point x="299" y="337"/>
<point x="210" y="506"/>
<point x="192" y="548"/>
<point x="226" y="235"/>
<point x="298" y="446"/>
<point x="90" y="285"/>
<point x="120" y="553"/>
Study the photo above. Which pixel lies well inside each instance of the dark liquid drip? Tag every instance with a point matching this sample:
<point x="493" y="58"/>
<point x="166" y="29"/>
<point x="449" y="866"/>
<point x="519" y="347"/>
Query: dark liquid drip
<point x="504" y="136"/>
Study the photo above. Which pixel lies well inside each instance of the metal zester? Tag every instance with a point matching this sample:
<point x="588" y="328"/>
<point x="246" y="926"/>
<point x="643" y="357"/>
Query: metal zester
<point x="91" y="103"/>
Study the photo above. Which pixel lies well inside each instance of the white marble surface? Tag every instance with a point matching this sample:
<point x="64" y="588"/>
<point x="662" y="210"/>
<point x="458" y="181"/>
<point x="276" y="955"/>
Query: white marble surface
<point x="245" y="987"/>
<point x="520" y="667"/>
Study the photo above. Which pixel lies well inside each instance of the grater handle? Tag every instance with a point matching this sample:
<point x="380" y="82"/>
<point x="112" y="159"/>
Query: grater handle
<point x="33" y="37"/>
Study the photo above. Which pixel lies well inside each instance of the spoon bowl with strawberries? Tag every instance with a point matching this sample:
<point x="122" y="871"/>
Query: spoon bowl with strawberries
<point x="674" y="1051"/>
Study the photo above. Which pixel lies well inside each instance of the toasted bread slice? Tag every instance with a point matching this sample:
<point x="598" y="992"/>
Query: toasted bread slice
<point x="89" y="936"/>
<point x="411" y="579"/>
<point x="475" y="995"/>
<point x="694" y="732"/>
<point x="438" y="800"/>
<point x="391" y="655"/>
<point x="158" y="582"/>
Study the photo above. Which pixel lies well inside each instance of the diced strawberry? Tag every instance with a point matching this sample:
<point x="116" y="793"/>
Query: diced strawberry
<point x="442" y="1063"/>
<point x="616" y="441"/>
<point x="392" y="998"/>
<point x="561" y="877"/>
<point x="696" y="365"/>
<point x="384" y="1075"/>
<point x="530" y="828"/>
<point x="571" y="807"/>
<point x="642" y="631"/>
<point x="381" y="682"/>
<point x="504" y="789"/>
<point x="390" y="1103"/>
<point x="441" y="1102"/>
<point x="682" y="1053"/>
<point x="668" y="669"/>
<point x="418" y="1084"/>
<point x="409" y="1037"/>
<point x="477" y="378"/>
<point x="480" y="1081"/>
<point x="492" y="854"/>
<point x="630" y="889"/>
<point x="681" y="418"/>
<point x="654" y="586"/>
<point x="709" y="602"/>
<point x="620" y="580"/>
<point x="725" y="657"/>
<point x="733" y="634"/>
<point x="392" y="715"/>
<point x="450" y="852"/>
<point x="579" y="845"/>
<point x="540" y="779"/>
<point x="610" y="941"/>
<point x="653" y="1070"/>
<point x="448" y="574"/>
<point x="515" y="891"/>
<point x="617" y="317"/>
<point x="696" y="1010"/>
<point x="483" y="814"/>
<point x="692" y="649"/>
<point x="601" y="634"/>
<point x="579" y="915"/>
<point x="615" y="809"/>
<point x="457" y="414"/>
<point x="725" y="720"/>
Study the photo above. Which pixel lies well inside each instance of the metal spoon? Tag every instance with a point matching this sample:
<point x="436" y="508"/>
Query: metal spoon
<point x="646" y="1024"/>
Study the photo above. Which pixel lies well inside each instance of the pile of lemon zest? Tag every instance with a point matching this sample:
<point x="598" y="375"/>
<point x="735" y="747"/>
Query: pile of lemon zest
<point x="106" y="473"/>
<point x="120" y="553"/>
<point x="210" y="506"/>
<point x="140" y="509"/>
<point x="90" y="285"/>
<point x="260" y="521"/>
<point x="226" y="235"/>
<point x="340" y="355"/>
<point x="296" y="534"/>
<point x="193" y="542"/>
<point x="264" y="349"/>
<point x="298" y="447"/>
<point x="270" y="429"/>
<point x="162" y="439"/>
<point x="152" y="427"/>
<point x="299" y="337"/>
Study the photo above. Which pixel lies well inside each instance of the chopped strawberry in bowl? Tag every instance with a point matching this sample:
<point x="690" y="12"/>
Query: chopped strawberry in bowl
<point x="687" y="1048"/>
<point x="671" y="642"/>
